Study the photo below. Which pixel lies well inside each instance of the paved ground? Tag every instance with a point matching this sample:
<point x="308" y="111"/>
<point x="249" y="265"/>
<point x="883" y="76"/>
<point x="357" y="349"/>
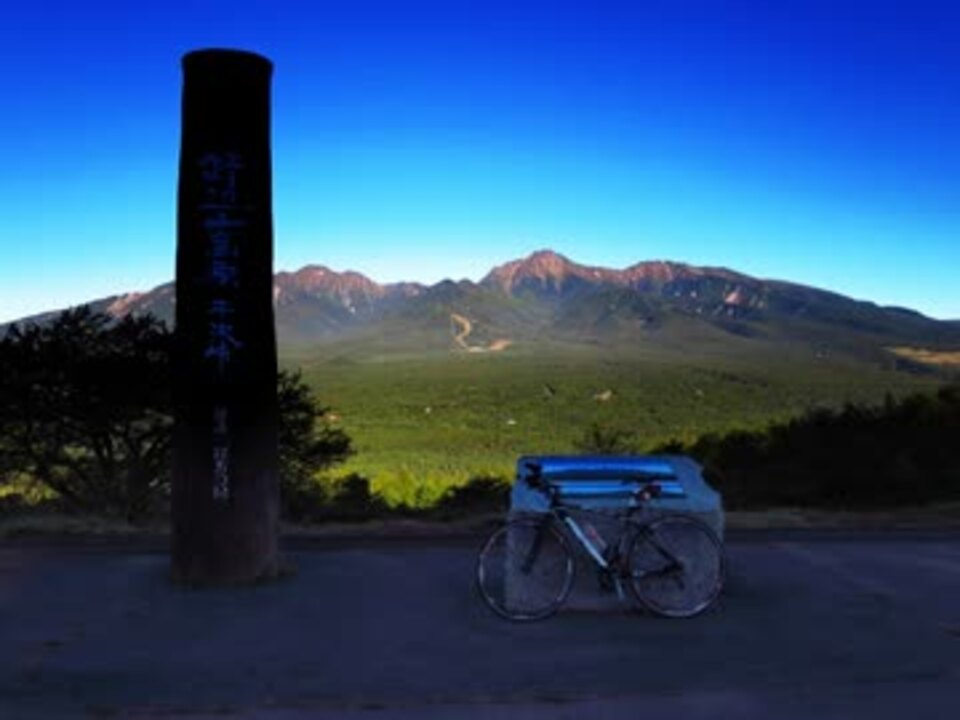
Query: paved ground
<point x="812" y="625"/>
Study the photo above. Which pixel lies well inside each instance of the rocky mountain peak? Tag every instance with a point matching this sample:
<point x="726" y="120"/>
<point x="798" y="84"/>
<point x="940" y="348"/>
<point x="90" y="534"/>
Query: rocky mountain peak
<point x="658" y="272"/>
<point x="313" y="279"/>
<point x="545" y="269"/>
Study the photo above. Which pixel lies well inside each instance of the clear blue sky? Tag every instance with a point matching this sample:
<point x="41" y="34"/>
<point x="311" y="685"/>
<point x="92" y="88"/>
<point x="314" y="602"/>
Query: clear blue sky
<point x="812" y="141"/>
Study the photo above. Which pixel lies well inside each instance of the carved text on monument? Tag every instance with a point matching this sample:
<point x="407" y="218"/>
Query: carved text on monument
<point x="224" y="222"/>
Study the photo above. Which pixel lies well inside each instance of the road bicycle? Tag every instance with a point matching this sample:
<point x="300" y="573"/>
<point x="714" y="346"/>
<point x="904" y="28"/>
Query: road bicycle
<point x="673" y="565"/>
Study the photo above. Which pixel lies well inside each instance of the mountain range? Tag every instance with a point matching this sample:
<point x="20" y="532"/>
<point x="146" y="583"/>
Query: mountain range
<point x="548" y="298"/>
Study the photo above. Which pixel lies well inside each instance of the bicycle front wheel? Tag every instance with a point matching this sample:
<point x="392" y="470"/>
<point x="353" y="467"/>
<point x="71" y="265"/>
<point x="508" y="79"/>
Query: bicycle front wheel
<point x="525" y="570"/>
<point x="676" y="566"/>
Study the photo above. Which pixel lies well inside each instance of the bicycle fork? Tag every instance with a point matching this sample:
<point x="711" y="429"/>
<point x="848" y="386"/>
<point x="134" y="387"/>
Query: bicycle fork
<point x="534" y="551"/>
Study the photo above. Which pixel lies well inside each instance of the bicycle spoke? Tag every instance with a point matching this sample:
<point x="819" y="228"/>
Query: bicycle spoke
<point x="525" y="570"/>
<point x="691" y="579"/>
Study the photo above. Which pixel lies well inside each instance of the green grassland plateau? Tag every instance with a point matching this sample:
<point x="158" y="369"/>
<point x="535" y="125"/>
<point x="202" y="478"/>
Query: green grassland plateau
<point x="424" y="422"/>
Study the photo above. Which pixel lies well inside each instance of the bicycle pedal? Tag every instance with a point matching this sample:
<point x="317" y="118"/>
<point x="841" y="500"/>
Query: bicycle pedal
<point x="606" y="583"/>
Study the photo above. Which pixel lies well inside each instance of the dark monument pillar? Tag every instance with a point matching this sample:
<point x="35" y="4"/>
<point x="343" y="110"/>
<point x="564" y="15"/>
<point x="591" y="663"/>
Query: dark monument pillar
<point x="225" y="502"/>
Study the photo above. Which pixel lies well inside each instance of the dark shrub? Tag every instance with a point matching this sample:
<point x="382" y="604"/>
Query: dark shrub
<point x="479" y="496"/>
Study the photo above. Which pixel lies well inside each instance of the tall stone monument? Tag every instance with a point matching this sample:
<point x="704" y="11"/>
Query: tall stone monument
<point x="225" y="503"/>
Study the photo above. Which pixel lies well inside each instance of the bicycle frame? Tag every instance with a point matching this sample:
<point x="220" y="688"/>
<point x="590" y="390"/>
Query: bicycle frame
<point x="561" y="513"/>
<point x="567" y="519"/>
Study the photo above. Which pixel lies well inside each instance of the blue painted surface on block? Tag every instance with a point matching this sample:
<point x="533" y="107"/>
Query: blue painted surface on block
<point x="613" y="478"/>
<point x="610" y="482"/>
<point x="587" y="487"/>
<point x="596" y="467"/>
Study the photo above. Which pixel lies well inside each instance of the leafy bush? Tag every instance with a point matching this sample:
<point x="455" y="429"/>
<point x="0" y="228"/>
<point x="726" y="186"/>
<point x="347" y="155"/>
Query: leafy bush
<point x="480" y="495"/>
<point x="353" y="500"/>
<point x="85" y="409"/>
<point x="902" y="452"/>
<point x="308" y="443"/>
<point x="347" y="499"/>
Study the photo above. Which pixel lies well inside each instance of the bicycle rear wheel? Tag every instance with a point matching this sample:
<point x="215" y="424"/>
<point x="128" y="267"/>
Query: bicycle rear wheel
<point x="525" y="570"/>
<point x="676" y="566"/>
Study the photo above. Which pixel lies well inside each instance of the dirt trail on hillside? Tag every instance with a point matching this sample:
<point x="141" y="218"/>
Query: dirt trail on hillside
<point x="465" y="328"/>
<point x="945" y="358"/>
